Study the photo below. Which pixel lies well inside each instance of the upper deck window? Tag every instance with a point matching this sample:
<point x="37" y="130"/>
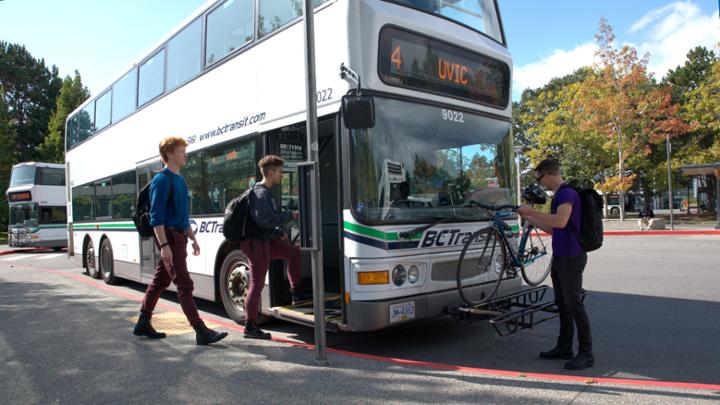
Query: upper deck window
<point x="102" y="111"/>
<point x="274" y="14"/>
<point x="229" y="27"/>
<point x="86" y="122"/>
<point x="22" y="175"/>
<point x="123" y="96"/>
<point x="184" y="59"/>
<point x="480" y="15"/>
<point x="50" y="176"/>
<point x="151" y="78"/>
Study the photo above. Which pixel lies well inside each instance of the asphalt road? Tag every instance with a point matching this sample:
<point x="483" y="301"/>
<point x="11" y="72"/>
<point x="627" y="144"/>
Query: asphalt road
<point x="654" y="307"/>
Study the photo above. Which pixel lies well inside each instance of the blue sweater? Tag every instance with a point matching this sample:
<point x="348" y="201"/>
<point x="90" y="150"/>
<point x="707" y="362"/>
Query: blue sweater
<point x="164" y="212"/>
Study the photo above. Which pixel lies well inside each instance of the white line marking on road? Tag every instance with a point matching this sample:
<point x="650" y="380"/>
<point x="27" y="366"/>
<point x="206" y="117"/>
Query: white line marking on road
<point x="51" y="256"/>
<point x="12" y="258"/>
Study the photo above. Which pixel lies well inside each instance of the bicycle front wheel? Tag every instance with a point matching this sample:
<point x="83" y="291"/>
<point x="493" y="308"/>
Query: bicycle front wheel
<point x="536" y="257"/>
<point x="479" y="273"/>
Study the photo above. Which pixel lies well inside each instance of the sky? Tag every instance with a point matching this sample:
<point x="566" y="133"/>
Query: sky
<point x="101" y="38"/>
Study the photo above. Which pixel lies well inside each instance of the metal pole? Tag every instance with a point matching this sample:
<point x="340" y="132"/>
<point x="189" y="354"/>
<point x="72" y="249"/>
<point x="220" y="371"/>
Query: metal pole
<point x="717" y="197"/>
<point x="670" y="193"/>
<point x="517" y="150"/>
<point x="313" y="156"/>
<point x="621" y="194"/>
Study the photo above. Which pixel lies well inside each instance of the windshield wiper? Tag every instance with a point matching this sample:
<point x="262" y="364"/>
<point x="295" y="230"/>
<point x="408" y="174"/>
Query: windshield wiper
<point x="420" y="229"/>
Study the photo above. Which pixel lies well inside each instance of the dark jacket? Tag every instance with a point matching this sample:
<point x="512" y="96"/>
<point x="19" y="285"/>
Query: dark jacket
<point x="647" y="213"/>
<point x="267" y="214"/>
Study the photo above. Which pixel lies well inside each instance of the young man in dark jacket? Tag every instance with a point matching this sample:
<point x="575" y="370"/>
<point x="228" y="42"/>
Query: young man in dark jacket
<point x="171" y="223"/>
<point x="269" y="242"/>
<point x="568" y="263"/>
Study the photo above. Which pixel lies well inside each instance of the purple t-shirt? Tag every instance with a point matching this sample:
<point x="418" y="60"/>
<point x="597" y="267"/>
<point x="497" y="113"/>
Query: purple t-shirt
<point x="564" y="241"/>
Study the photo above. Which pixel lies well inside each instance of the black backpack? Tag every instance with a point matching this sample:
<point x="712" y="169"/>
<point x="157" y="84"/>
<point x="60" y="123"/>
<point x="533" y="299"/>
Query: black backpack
<point x="237" y="222"/>
<point x="591" y="225"/>
<point x="141" y="218"/>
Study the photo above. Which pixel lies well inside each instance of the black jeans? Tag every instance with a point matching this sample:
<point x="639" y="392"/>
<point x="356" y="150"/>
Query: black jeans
<point x="566" y="276"/>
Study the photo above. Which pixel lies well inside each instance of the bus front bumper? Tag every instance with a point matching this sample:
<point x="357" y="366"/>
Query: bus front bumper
<point x="374" y="315"/>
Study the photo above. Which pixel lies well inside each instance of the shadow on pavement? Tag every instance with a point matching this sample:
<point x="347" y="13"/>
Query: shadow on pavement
<point x="62" y="346"/>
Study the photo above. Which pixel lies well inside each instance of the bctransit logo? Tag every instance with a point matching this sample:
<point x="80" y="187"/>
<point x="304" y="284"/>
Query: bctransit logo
<point x="206" y="226"/>
<point x="449" y="237"/>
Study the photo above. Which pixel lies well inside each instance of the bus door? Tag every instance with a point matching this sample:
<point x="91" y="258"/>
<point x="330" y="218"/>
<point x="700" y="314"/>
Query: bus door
<point x="148" y="252"/>
<point x="290" y="144"/>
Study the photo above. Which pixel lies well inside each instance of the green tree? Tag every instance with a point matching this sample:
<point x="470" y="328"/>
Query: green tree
<point x="31" y="89"/>
<point x="72" y="94"/>
<point x="691" y="74"/>
<point x="622" y="102"/>
<point x="7" y="157"/>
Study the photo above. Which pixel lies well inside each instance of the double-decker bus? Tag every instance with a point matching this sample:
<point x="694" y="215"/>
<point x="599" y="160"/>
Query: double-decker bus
<point x="37" y="199"/>
<point x="230" y="79"/>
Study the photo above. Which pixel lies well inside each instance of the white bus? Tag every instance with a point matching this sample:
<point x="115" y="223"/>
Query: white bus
<point x="37" y="206"/>
<point x="230" y="79"/>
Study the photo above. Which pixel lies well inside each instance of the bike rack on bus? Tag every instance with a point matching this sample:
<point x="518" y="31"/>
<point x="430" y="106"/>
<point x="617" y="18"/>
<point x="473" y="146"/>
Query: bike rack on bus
<point x="513" y="312"/>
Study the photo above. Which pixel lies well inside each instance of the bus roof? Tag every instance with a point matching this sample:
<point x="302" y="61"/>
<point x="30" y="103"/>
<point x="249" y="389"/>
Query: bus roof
<point x="40" y="164"/>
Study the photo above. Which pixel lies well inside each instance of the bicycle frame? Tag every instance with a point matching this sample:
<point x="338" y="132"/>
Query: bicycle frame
<point x="516" y="259"/>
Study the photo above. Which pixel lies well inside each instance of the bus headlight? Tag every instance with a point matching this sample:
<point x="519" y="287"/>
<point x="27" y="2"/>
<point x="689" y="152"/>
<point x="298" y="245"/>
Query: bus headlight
<point x="399" y="275"/>
<point x="413" y="274"/>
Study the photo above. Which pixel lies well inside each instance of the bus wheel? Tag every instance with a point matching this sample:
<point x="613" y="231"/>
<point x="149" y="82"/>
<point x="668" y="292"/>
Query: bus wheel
<point x="234" y="286"/>
<point x="106" y="262"/>
<point x="58" y="248"/>
<point x="90" y="265"/>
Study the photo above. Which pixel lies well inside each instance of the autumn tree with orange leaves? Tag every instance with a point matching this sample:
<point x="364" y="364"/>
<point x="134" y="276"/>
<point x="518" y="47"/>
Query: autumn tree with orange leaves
<point x="622" y="102"/>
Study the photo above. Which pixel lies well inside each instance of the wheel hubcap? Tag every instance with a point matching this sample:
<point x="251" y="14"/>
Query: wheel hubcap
<point x="238" y="283"/>
<point x="90" y="259"/>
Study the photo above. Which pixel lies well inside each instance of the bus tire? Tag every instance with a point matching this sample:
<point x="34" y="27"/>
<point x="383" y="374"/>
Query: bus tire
<point x="90" y="265"/>
<point x="234" y="283"/>
<point x="615" y="211"/>
<point x="58" y="248"/>
<point x="106" y="262"/>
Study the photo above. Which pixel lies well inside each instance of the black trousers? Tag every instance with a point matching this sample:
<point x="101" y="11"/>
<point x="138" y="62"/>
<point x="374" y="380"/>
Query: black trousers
<point x="566" y="276"/>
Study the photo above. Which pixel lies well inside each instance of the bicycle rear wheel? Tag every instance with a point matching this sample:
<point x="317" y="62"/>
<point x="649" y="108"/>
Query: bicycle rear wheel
<point x="479" y="276"/>
<point x="536" y="258"/>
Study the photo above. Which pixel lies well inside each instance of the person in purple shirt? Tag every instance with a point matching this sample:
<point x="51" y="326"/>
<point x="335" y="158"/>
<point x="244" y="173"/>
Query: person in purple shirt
<point x="568" y="264"/>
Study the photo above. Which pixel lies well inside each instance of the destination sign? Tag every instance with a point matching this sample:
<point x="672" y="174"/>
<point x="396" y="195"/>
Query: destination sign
<point x="421" y="63"/>
<point x="22" y="196"/>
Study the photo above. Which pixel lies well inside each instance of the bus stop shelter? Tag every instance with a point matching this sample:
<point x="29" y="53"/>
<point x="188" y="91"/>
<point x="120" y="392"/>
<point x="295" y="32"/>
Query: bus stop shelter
<point x="709" y="169"/>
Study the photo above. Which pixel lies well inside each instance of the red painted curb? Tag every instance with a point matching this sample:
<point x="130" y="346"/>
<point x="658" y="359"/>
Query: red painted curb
<point x="23" y="250"/>
<point x="414" y="363"/>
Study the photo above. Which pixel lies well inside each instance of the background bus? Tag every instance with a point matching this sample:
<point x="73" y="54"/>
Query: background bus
<point x="37" y="206"/>
<point x="231" y="81"/>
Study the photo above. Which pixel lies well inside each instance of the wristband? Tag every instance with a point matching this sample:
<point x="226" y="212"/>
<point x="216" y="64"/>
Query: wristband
<point x="164" y="244"/>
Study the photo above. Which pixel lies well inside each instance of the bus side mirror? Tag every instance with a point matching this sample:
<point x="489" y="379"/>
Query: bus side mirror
<point x="358" y="112"/>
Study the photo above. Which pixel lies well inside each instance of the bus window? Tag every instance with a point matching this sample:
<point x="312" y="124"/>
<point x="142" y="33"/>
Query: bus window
<point x="83" y="205"/>
<point x="86" y="122"/>
<point x="53" y="215"/>
<point x="50" y="176"/>
<point x="103" y="196"/>
<point x="184" y="58"/>
<point x="24" y="215"/>
<point x="22" y="175"/>
<point x="150" y="83"/>
<point x="123" y="100"/>
<point x="123" y="195"/>
<point x="102" y="111"/>
<point x="229" y="27"/>
<point x="274" y="14"/>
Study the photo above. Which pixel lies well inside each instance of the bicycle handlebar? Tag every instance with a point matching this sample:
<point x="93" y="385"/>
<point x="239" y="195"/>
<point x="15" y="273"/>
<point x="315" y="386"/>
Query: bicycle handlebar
<point x="494" y="207"/>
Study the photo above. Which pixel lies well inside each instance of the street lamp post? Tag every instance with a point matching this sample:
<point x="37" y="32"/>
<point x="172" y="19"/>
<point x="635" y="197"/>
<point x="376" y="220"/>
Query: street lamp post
<point x="670" y="193"/>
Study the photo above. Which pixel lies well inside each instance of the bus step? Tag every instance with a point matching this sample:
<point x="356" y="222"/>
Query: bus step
<point x="303" y="314"/>
<point x="511" y="313"/>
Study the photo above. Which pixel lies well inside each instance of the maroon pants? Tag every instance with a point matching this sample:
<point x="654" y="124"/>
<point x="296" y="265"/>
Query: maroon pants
<point x="177" y="274"/>
<point x="259" y="254"/>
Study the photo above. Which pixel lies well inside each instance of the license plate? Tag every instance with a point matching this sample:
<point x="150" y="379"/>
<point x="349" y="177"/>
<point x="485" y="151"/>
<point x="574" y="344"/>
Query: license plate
<point x="402" y="311"/>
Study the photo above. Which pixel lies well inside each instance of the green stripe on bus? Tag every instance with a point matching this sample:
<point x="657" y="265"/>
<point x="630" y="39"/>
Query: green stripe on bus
<point x="121" y="225"/>
<point x="53" y="226"/>
<point x="386" y="236"/>
<point x="515" y="228"/>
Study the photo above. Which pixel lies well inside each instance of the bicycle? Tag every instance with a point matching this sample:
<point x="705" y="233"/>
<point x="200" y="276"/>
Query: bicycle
<point x="532" y="257"/>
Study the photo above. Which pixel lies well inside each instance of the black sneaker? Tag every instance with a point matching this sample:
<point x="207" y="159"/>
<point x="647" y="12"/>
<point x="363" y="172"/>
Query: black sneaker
<point x="253" y="332"/>
<point x="557" y="354"/>
<point x="581" y="361"/>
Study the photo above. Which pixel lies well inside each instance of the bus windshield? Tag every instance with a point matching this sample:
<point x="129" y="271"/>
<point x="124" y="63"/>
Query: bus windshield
<point x="480" y="15"/>
<point x="422" y="163"/>
<point x="23" y="215"/>
<point x="22" y="175"/>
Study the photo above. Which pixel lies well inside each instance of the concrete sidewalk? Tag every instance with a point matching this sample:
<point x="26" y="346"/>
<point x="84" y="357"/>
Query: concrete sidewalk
<point x="67" y="339"/>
